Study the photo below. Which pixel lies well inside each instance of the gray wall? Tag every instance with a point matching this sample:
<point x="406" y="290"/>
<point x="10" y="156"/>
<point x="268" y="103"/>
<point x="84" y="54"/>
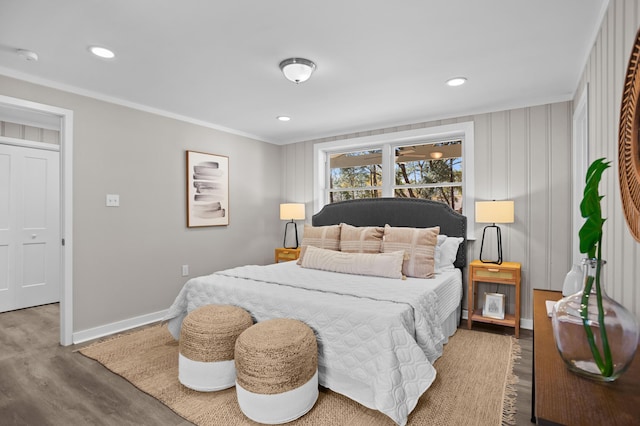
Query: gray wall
<point x="604" y="75"/>
<point x="127" y="260"/>
<point x="522" y="154"/>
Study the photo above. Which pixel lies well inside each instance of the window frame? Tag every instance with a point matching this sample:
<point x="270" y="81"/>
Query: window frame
<point x="387" y="142"/>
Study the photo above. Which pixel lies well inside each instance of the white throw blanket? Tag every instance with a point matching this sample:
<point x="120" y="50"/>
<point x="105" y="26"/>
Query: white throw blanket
<point x="377" y="337"/>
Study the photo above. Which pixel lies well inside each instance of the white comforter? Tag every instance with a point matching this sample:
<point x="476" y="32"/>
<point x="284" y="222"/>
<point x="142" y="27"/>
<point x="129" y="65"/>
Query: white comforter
<point x="377" y="337"/>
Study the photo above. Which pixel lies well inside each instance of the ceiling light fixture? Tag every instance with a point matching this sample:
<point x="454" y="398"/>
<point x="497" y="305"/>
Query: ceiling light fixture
<point x="297" y="70"/>
<point x="456" y="81"/>
<point x="283" y="118"/>
<point x="436" y="155"/>
<point x="102" y="52"/>
<point x="27" y="55"/>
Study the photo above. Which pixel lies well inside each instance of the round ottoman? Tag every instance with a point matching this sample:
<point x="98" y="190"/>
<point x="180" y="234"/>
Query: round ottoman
<point x="277" y="370"/>
<point x="207" y="341"/>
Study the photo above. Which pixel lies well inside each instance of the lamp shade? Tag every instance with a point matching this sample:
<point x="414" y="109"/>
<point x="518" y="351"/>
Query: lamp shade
<point x="495" y="211"/>
<point x="292" y="211"/>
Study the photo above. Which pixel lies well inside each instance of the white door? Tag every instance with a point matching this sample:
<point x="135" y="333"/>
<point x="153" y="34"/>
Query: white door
<point x="29" y="227"/>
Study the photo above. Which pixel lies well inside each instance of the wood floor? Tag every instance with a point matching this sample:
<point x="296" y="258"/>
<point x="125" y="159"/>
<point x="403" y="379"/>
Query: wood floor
<point x="43" y="383"/>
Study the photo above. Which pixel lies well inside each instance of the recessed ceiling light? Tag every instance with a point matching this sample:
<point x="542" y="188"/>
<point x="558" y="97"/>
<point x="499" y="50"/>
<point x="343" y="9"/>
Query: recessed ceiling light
<point x="456" y="81"/>
<point x="283" y="118"/>
<point x="102" y="52"/>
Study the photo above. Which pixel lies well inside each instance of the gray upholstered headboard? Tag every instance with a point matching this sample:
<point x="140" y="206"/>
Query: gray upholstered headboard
<point x="409" y="212"/>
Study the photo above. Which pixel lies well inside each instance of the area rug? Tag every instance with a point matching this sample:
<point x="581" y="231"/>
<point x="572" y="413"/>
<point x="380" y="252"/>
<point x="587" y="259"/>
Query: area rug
<point x="474" y="383"/>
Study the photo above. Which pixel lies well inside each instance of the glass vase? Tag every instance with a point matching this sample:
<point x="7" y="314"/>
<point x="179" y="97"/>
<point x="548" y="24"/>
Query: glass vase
<point x="596" y="336"/>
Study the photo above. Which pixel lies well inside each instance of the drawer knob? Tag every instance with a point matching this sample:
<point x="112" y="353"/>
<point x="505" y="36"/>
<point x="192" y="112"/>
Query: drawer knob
<point x="493" y="270"/>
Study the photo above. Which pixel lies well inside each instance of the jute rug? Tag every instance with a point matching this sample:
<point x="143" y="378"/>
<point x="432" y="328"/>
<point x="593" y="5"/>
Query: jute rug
<point x="474" y="383"/>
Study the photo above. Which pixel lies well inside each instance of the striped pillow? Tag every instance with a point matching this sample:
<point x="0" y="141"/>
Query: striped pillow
<point x="419" y="245"/>
<point x="361" y="239"/>
<point x="326" y="237"/>
<point x="387" y="265"/>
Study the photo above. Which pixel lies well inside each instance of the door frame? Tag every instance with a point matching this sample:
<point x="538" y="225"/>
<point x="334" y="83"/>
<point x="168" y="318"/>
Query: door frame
<point x="66" y="206"/>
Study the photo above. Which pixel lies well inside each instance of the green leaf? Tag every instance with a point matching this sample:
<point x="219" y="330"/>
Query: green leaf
<point x="594" y="172"/>
<point x="590" y="205"/>
<point x="591" y="232"/>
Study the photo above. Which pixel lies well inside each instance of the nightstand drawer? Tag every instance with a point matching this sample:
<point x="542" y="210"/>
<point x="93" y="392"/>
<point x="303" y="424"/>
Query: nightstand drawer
<point x="286" y="255"/>
<point x="497" y="273"/>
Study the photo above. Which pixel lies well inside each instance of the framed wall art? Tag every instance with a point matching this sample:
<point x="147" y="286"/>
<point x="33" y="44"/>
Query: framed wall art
<point x="207" y="189"/>
<point x="493" y="305"/>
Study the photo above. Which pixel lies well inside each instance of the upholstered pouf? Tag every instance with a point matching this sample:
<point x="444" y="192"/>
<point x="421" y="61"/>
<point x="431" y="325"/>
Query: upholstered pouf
<point x="207" y="341"/>
<point x="277" y="371"/>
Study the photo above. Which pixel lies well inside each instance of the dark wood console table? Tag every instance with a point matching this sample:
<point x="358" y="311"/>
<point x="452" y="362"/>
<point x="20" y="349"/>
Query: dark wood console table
<point x="561" y="397"/>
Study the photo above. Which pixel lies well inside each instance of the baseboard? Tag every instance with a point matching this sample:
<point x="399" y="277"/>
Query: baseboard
<point x="117" y="327"/>
<point x="525" y="323"/>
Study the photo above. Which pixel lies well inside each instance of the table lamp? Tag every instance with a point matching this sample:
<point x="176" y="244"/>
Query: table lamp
<point x="494" y="212"/>
<point x="291" y="211"/>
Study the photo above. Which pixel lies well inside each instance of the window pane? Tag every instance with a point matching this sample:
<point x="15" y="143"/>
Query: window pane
<point x="430" y="171"/>
<point x="352" y="170"/>
<point x="429" y="163"/>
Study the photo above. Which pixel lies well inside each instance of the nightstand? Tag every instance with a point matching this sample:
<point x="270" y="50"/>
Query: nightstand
<point x="287" y="254"/>
<point x="507" y="273"/>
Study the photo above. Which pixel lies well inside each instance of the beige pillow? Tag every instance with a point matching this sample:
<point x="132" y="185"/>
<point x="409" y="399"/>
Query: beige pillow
<point x="419" y="245"/>
<point x="361" y="239"/>
<point x="326" y="237"/>
<point x="387" y="265"/>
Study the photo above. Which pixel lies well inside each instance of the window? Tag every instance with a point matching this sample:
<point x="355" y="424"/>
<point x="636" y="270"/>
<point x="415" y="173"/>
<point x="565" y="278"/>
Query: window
<point x="433" y="163"/>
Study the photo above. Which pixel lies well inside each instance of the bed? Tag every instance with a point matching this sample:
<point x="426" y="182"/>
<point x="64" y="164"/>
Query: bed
<point x="377" y="337"/>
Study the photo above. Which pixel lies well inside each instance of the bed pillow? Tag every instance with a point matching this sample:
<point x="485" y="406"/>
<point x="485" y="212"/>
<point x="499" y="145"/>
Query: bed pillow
<point x="419" y="245"/>
<point x="387" y="265"/>
<point x="326" y="237"/>
<point x="360" y="239"/>
<point x="446" y="253"/>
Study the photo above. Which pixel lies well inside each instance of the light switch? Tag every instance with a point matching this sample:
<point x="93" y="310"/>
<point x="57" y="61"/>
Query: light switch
<point x="113" y="200"/>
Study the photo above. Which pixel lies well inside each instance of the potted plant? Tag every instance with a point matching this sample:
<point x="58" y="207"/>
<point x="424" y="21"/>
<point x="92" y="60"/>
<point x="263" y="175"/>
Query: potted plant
<point x="596" y="336"/>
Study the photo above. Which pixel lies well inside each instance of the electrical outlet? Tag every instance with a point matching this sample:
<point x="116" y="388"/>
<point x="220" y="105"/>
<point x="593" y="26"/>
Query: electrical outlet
<point x="113" y="200"/>
<point x="185" y="270"/>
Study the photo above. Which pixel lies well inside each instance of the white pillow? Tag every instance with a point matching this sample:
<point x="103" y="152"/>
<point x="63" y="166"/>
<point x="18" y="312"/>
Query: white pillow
<point x="446" y="252"/>
<point x="388" y="265"/>
<point x="436" y="254"/>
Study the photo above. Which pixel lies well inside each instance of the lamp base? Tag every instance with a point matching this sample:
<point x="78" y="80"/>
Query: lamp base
<point x="499" y="261"/>
<point x="295" y="230"/>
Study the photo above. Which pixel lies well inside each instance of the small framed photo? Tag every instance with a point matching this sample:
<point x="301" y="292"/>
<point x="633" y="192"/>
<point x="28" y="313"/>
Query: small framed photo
<point x="493" y="305"/>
